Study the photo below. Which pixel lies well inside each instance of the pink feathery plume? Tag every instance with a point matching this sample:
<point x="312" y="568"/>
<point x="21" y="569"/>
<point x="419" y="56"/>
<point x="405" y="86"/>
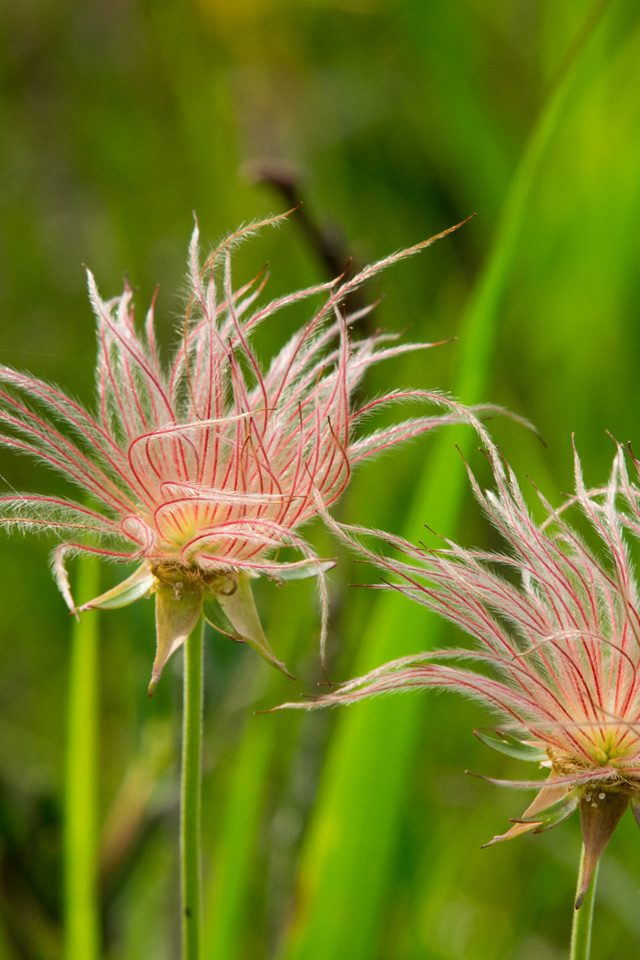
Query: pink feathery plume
<point x="201" y="472"/>
<point x="556" y="627"/>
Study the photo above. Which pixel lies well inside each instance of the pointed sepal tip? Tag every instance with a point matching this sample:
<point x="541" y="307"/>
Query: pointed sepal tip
<point x="235" y="615"/>
<point x="600" y="813"/>
<point x="177" y="614"/>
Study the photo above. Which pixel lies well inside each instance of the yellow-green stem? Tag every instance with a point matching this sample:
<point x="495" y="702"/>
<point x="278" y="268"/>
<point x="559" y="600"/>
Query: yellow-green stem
<point x="191" y="789"/>
<point x="583" y="918"/>
<point x="81" y="911"/>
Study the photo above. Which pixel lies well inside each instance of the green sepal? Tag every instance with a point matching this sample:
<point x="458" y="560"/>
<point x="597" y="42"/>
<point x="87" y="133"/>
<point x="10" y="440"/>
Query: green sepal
<point x="312" y="568"/>
<point x="555" y="813"/>
<point x="235" y="615"/>
<point x="505" y="743"/>
<point x="548" y="795"/>
<point x="176" y="616"/>
<point x="599" y="817"/>
<point x="213" y="614"/>
<point x="133" y="588"/>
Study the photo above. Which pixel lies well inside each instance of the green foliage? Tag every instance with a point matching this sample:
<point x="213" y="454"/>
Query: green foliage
<point x="352" y="833"/>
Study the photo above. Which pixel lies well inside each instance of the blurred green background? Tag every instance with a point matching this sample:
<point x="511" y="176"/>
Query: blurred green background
<point x="351" y="835"/>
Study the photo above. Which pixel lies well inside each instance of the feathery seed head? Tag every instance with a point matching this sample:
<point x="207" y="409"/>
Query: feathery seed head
<point x="201" y="472"/>
<point x="557" y="632"/>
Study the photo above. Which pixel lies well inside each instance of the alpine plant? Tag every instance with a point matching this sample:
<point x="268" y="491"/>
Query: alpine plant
<point x="556" y="627"/>
<point x="200" y="472"/>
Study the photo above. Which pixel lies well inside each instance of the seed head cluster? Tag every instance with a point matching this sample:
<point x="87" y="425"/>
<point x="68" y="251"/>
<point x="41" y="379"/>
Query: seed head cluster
<point x="556" y="625"/>
<point x="202" y="471"/>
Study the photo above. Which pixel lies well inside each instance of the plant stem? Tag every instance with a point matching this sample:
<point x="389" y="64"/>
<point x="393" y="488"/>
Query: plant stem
<point x="81" y="913"/>
<point x="191" y="796"/>
<point x="583" y="918"/>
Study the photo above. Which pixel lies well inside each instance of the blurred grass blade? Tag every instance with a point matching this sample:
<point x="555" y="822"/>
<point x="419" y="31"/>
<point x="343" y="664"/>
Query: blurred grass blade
<point x="232" y="875"/>
<point x="233" y="856"/>
<point x="81" y="911"/>
<point x="346" y="865"/>
<point x="190" y="794"/>
<point x="6" y="953"/>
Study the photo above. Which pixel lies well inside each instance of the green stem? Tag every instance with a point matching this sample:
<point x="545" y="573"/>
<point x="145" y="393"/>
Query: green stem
<point x="190" y="797"/>
<point x="81" y="912"/>
<point x="583" y="918"/>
